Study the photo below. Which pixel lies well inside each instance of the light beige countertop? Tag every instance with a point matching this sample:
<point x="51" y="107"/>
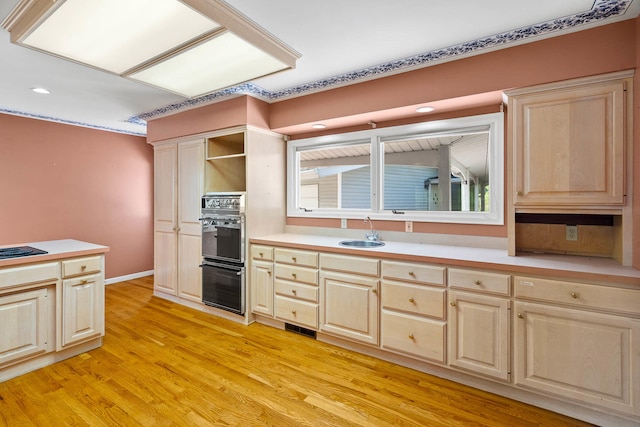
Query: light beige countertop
<point x="589" y="269"/>
<point x="56" y="249"/>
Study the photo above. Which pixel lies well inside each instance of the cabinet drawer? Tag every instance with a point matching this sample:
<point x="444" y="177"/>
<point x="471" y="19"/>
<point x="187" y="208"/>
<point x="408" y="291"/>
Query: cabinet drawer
<point x="417" y="273"/>
<point x="25" y="274"/>
<point x="298" y="291"/>
<point x="418" y="299"/>
<point x="75" y="267"/>
<point x="579" y="294"/>
<point x="350" y="264"/>
<point x="297" y="274"/>
<point x="264" y="253"/>
<point x="296" y="257"/>
<point x="479" y="281"/>
<point x="298" y="312"/>
<point x="413" y="335"/>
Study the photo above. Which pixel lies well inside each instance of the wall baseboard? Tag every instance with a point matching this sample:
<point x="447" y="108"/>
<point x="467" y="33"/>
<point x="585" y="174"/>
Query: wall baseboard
<point x="128" y="277"/>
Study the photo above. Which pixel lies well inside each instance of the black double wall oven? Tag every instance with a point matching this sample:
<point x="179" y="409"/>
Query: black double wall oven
<point x="223" y="249"/>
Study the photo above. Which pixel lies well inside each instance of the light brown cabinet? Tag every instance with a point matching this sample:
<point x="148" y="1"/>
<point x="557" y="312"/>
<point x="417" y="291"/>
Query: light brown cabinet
<point x="261" y="280"/>
<point x="568" y="144"/>
<point x="296" y="287"/>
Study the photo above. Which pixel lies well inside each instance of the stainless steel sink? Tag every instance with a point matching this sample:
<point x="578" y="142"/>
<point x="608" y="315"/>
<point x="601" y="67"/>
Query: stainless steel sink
<point x="361" y="243"/>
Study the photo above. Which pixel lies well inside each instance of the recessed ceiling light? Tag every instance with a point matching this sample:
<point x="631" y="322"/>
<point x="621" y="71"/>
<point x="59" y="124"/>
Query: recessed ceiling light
<point x="425" y="109"/>
<point x="318" y="126"/>
<point x="40" y="90"/>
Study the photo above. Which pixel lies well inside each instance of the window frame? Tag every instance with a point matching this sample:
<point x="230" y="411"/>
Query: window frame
<point x="493" y="122"/>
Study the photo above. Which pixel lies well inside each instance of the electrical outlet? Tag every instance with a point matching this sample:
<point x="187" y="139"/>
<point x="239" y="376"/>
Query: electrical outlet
<point x="343" y="223"/>
<point x="408" y="227"/>
<point x="572" y="233"/>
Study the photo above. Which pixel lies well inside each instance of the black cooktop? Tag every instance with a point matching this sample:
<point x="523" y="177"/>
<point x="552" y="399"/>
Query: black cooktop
<point x="19" y="251"/>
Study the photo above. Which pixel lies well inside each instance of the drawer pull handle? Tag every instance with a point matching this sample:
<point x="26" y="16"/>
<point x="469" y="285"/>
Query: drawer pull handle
<point x="293" y="291"/>
<point x="453" y="303"/>
<point x="85" y="281"/>
<point x="294" y="259"/>
<point x="411" y="300"/>
<point x="293" y="312"/>
<point x="519" y="193"/>
<point x="520" y="316"/>
<point x="412" y="274"/>
<point x="575" y="295"/>
<point x="375" y="291"/>
<point x="294" y="275"/>
<point x="83" y="267"/>
<point x="411" y="337"/>
<point x="261" y="255"/>
<point x="477" y="282"/>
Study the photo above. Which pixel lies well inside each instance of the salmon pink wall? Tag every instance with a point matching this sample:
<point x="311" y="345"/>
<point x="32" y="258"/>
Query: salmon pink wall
<point x="636" y="152"/>
<point x="67" y="182"/>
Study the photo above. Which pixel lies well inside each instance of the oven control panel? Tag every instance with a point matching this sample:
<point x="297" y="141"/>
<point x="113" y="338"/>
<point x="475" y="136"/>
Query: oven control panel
<point x="223" y="203"/>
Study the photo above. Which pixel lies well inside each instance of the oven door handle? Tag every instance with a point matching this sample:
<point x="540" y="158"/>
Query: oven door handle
<point x="240" y="270"/>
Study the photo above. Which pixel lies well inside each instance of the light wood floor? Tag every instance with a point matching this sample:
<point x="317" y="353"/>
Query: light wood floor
<point x="165" y="365"/>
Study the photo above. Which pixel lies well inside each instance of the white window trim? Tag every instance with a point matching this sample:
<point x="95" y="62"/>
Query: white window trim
<point x="495" y="216"/>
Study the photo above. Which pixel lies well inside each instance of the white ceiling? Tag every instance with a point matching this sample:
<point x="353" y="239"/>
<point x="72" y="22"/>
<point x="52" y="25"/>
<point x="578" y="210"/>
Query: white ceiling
<point x="341" y="42"/>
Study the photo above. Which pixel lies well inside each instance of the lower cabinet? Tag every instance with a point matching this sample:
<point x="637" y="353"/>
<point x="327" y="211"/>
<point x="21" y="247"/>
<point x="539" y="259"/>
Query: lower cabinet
<point x="82" y="309"/>
<point x="23" y="325"/>
<point x="589" y="357"/>
<point x="479" y="334"/>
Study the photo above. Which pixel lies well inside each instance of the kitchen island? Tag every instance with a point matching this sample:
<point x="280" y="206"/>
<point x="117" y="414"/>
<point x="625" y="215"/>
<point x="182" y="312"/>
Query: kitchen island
<point x="51" y="304"/>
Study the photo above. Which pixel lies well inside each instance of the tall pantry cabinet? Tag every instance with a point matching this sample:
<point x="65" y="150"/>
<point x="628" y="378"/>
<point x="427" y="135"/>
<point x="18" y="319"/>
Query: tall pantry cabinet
<point x="178" y="186"/>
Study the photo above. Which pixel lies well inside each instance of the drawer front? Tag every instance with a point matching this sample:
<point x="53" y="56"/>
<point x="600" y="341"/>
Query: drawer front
<point x="264" y="253"/>
<point x="298" y="291"/>
<point x="25" y="274"/>
<point x="75" y="267"/>
<point x="418" y="299"/>
<point x="296" y="257"/>
<point x="417" y="273"/>
<point x="297" y="274"/>
<point x="579" y="294"/>
<point x="480" y="281"/>
<point x="413" y="335"/>
<point x="350" y="264"/>
<point x="298" y="312"/>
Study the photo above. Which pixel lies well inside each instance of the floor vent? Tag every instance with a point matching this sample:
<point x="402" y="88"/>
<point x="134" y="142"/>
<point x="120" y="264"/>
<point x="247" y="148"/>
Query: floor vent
<point x="300" y="330"/>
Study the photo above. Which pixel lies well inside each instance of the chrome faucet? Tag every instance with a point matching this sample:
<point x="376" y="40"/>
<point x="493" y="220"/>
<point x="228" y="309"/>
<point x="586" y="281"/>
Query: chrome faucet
<point x="373" y="236"/>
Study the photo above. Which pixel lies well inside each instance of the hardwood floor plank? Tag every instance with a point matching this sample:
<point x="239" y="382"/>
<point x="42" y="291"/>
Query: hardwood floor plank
<point x="162" y="364"/>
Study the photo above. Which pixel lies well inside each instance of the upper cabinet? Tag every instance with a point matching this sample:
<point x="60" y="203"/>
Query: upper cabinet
<point x="569" y="143"/>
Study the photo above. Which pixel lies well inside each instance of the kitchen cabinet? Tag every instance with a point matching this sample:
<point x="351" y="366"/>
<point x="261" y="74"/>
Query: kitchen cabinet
<point x="479" y="322"/>
<point x="349" y="297"/>
<point x="296" y="287"/>
<point x="413" y="312"/>
<point x="569" y="143"/>
<point x="82" y="305"/>
<point x="571" y="343"/>
<point x="261" y="280"/>
<point x="179" y="171"/>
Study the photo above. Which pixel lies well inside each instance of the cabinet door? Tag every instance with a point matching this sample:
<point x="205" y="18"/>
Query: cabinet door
<point x="479" y="334"/>
<point x="569" y="146"/>
<point x="82" y="309"/>
<point x="262" y="287"/>
<point x="165" y="270"/>
<point x="23" y="325"/>
<point x="189" y="271"/>
<point x="190" y="186"/>
<point x="591" y="357"/>
<point x="165" y="223"/>
<point x="350" y="306"/>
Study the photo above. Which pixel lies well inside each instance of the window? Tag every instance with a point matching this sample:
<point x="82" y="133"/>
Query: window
<point x="444" y="171"/>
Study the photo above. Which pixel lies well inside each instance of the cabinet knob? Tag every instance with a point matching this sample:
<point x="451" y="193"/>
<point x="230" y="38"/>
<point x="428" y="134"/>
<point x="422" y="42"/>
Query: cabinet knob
<point x="293" y="291"/>
<point x="85" y="281"/>
<point x="293" y="312"/>
<point x="375" y="291"/>
<point x="412" y="274"/>
<point x="520" y="316"/>
<point x="477" y="282"/>
<point x="294" y="275"/>
<point x="411" y="300"/>
<point x="411" y="337"/>
<point x="575" y="295"/>
<point x="261" y="255"/>
<point x="519" y="193"/>
<point x="294" y="259"/>
<point x="453" y="303"/>
<point x="83" y="267"/>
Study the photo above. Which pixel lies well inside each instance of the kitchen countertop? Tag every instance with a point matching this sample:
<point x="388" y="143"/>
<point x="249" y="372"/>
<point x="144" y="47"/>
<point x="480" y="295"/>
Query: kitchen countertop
<point x="57" y="249"/>
<point x="591" y="269"/>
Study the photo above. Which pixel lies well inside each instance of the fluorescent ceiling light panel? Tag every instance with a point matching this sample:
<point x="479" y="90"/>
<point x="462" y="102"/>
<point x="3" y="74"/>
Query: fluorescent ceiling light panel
<point x="189" y="47"/>
<point x="117" y="35"/>
<point x="215" y="64"/>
